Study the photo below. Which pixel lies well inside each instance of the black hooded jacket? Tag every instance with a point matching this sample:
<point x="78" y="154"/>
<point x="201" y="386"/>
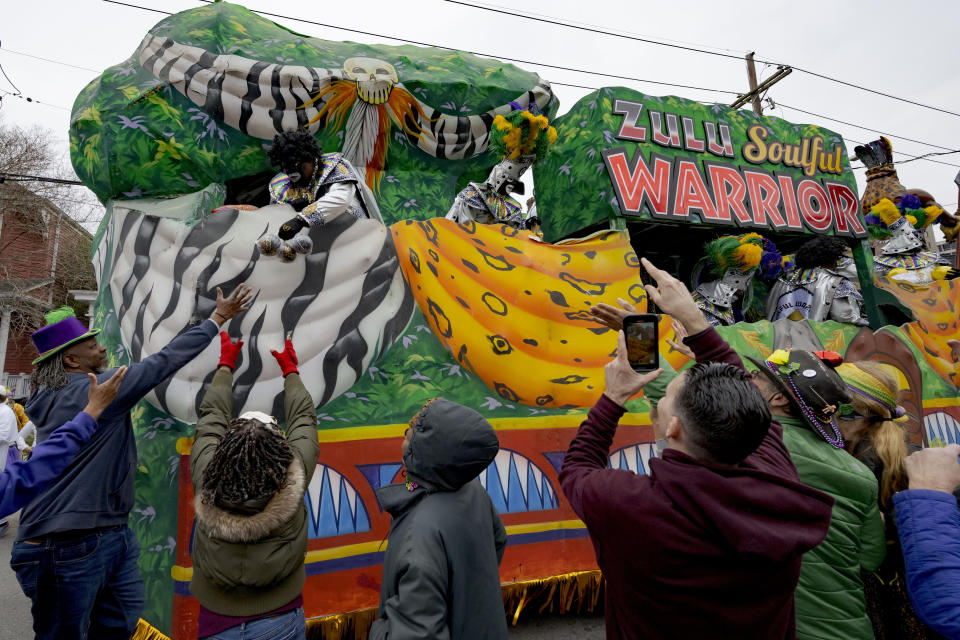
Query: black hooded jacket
<point x="440" y="572"/>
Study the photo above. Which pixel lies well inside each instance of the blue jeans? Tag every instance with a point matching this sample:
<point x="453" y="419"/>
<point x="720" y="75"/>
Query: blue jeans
<point x="286" y="626"/>
<point x="83" y="587"/>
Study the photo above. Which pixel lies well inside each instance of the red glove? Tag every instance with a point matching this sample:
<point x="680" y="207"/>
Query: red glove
<point x="229" y="351"/>
<point x="287" y="359"/>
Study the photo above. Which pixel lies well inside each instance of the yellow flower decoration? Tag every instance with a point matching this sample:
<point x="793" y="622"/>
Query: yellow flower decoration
<point x="751" y="236"/>
<point x="780" y="356"/>
<point x="911" y="220"/>
<point x="886" y="211"/>
<point x="552" y="135"/>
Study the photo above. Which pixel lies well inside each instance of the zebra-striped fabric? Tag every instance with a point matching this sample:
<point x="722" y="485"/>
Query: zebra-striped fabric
<point x="262" y="98"/>
<point x="346" y="302"/>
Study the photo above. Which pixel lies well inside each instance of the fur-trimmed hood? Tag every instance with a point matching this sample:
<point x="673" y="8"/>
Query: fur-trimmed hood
<point x="233" y="527"/>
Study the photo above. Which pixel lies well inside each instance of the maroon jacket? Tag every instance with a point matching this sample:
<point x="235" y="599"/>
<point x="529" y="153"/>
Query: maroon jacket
<point x="695" y="550"/>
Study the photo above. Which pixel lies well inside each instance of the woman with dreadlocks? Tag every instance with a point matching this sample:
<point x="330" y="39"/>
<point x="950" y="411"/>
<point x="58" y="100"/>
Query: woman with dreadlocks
<point x="249" y="479"/>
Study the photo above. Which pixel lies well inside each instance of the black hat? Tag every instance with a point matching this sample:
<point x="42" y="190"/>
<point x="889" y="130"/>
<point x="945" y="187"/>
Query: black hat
<point x="808" y="379"/>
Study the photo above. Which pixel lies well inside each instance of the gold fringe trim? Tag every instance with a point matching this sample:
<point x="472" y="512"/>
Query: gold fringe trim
<point x="574" y="592"/>
<point x="352" y="625"/>
<point x="146" y="631"/>
<point x="569" y="592"/>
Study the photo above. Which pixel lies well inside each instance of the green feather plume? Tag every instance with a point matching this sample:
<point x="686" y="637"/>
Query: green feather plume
<point x="59" y="314"/>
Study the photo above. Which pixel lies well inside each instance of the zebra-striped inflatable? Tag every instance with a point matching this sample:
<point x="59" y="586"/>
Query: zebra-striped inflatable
<point x="262" y="99"/>
<point x="345" y="303"/>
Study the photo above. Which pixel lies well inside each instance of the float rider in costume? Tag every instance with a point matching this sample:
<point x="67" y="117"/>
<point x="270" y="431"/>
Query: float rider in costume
<point x="902" y="257"/>
<point x="733" y="261"/>
<point x="819" y="287"/>
<point x="319" y="186"/>
<point x="520" y="139"/>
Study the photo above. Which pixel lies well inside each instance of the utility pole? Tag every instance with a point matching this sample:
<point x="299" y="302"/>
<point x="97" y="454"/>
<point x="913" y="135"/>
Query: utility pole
<point x="756" y="91"/>
<point x="752" y="79"/>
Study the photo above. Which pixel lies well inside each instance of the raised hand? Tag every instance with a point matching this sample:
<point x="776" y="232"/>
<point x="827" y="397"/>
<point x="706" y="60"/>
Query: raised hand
<point x="935" y="468"/>
<point x="287" y="359"/>
<point x="622" y="382"/>
<point x="229" y="351"/>
<point x="233" y="304"/>
<point x="610" y="316"/>
<point x="673" y="298"/>
<point x="681" y="333"/>
<point x="100" y="395"/>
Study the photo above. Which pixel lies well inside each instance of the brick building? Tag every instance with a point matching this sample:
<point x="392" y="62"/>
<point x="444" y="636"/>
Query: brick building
<point x="44" y="254"/>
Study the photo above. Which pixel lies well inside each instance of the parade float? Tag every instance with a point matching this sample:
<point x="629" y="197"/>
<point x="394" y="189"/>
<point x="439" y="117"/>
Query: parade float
<point x="386" y="315"/>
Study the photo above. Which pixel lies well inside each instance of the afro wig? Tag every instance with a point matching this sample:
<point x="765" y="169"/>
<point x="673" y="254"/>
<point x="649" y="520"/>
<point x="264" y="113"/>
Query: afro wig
<point x="822" y="251"/>
<point x="292" y="148"/>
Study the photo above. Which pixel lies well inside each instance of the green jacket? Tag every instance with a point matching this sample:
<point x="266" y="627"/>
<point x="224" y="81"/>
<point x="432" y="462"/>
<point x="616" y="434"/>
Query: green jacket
<point x="245" y="565"/>
<point x="829" y="598"/>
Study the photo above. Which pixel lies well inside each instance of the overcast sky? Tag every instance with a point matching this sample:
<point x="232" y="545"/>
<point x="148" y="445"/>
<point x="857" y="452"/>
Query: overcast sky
<point x="909" y="49"/>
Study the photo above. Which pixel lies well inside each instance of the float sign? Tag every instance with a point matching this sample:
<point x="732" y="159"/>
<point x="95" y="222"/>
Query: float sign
<point x="622" y="153"/>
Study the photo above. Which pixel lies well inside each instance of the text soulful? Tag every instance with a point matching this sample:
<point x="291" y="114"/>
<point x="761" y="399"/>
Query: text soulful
<point x="719" y="192"/>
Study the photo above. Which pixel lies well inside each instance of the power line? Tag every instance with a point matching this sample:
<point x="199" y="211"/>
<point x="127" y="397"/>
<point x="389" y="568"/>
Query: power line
<point x="30" y="55"/>
<point x="694" y="49"/>
<point x="426" y="44"/>
<point x="914" y="157"/>
<point x="19" y="177"/>
<point x="593" y="30"/>
<point x="476" y="53"/>
<point x="860" y="126"/>
<point x="32" y="100"/>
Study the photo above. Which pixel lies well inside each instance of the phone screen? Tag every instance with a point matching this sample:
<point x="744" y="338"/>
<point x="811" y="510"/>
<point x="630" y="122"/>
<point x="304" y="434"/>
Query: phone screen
<point x="642" y="348"/>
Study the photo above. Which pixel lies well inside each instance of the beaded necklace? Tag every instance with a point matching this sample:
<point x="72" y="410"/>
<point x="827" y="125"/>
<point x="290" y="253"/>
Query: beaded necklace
<point x="837" y="441"/>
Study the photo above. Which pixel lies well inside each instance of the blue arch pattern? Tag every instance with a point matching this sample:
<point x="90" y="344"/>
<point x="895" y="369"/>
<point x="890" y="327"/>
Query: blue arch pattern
<point x="333" y="506"/>
<point x="941" y="425"/>
<point x="516" y="484"/>
<point x="635" y="457"/>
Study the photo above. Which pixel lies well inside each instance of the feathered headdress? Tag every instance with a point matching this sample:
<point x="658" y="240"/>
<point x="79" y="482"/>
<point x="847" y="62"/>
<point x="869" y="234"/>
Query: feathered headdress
<point x="885" y="213"/>
<point x="520" y="134"/>
<point x="744" y="253"/>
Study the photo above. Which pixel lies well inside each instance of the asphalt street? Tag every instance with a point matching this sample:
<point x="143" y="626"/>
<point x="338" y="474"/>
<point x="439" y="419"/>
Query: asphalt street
<point x="16" y="622"/>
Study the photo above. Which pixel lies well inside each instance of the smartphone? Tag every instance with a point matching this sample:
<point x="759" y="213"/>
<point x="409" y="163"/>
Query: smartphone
<point x="643" y="348"/>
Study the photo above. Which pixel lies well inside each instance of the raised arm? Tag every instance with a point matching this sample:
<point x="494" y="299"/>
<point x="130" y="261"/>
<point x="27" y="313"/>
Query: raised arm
<point x="300" y="412"/>
<point x="928" y="523"/>
<point x="216" y="410"/>
<point x="152" y="370"/>
<point x="673" y="298"/>
<point x="584" y="472"/>
<point x="21" y="482"/>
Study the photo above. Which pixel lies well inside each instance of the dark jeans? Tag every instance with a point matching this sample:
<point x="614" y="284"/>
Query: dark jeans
<point x="82" y="587"/>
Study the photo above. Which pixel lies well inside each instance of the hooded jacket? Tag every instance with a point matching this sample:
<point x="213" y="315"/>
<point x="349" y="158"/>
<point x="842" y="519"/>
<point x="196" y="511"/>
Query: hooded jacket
<point x="440" y="572"/>
<point x="695" y="550"/>
<point x="830" y="598"/>
<point x="249" y="561"/>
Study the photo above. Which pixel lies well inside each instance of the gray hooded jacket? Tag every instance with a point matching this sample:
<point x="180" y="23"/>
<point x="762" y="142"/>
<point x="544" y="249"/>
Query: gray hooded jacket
<point x="440" y="572"/>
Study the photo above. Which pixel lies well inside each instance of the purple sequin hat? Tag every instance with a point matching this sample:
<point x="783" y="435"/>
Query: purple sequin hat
<point x="63" y="329"/>
<point x="814" y="388"/>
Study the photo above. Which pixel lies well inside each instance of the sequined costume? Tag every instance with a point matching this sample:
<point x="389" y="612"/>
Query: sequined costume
<point x="335" y="188"/>
<point x="817" y="294"/>
<point x="481" y="202"/>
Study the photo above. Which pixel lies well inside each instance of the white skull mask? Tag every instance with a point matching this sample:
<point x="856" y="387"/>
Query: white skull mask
<point x="374" y="78"/>
<point x="509" y="171"/>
